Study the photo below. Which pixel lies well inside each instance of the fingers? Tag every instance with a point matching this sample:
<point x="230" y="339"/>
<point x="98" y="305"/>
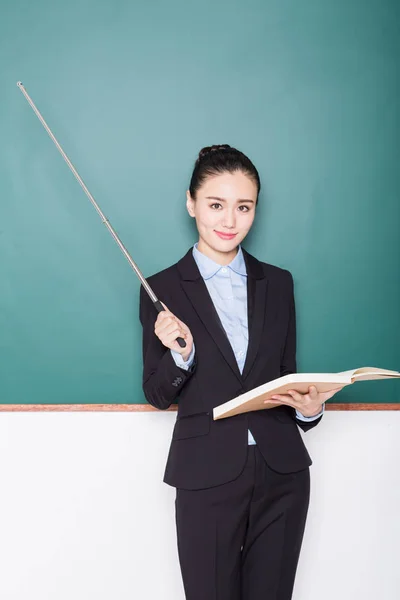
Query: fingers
<point x="164" y="315"/>
<point x="292" y="398"/>
<point x="165" y="312"/>
<point x="164" y="318"/>
<point x="283" y="399"/>
<point x="182" y="325"/>
<point x="308" y="403"/>
<point x="170" y="340"/>
<point x="296" y="395"/>
<point x="313" y="392"/>
<point x="168" y="328"/>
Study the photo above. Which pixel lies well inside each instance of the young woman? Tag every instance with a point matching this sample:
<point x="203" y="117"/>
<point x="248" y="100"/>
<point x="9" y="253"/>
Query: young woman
<point x="242" y="483"/>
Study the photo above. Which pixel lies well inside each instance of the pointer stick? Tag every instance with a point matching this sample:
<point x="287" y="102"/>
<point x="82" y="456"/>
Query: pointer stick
<point x="106" y="222"/>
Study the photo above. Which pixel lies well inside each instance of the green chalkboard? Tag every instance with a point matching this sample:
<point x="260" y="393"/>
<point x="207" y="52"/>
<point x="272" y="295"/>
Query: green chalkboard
<point x="132" y="90"/>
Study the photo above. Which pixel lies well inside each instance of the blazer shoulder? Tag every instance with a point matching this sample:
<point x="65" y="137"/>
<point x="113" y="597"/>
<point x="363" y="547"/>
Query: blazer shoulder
<point x="162" y="282"/>
<point x="163" y="275"/>
<point x="277" y="274"/>
<point x="172" y="274"/>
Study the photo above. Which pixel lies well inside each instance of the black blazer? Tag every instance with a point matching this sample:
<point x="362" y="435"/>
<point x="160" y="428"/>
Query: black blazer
<point x="203" y="452"/>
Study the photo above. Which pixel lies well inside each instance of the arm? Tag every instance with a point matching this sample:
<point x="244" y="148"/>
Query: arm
<point x="162" y="378"/>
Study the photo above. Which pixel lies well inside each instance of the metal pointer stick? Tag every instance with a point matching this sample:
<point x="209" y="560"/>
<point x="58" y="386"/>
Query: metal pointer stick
<point x="159" y="307"/>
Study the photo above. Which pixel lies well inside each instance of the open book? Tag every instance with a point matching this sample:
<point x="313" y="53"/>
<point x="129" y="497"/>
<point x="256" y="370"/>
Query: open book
<point x="324" y="382"/>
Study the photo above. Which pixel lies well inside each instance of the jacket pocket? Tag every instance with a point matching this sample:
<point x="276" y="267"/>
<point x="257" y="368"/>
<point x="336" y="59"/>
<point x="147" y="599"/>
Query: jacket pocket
<point x="191" y="426"/>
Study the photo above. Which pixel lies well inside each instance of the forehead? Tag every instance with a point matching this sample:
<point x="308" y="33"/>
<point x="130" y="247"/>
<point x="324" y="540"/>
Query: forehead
<point x="230" y="186"/>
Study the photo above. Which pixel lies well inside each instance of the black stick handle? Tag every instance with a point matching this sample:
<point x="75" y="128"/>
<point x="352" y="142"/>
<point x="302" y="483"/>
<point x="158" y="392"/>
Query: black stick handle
<point x="160" y="308"/>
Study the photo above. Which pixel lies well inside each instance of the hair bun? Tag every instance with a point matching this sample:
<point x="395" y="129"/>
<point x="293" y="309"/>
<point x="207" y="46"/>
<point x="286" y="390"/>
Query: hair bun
<point x="215" y="148"/>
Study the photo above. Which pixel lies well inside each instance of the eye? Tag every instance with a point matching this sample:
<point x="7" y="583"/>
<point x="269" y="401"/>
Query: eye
<point x="246" y="208"/>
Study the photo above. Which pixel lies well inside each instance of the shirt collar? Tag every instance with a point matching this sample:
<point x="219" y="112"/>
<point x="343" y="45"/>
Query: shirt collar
<point x="208" y="267"/>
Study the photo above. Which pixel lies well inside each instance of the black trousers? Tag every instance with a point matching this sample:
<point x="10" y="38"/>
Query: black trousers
<point x="242" y="540"/>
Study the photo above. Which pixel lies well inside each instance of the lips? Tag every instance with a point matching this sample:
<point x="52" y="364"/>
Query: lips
<point x="225" y="236"/>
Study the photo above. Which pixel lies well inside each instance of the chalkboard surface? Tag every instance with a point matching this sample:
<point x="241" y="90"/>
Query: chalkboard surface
<point x="309" y="90"/>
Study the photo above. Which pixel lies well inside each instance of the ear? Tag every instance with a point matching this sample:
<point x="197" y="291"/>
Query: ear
<point x="190" y="204"/>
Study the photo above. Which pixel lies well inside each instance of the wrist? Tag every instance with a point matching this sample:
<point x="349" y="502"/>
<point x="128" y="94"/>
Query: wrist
<point x="315" y="413"/>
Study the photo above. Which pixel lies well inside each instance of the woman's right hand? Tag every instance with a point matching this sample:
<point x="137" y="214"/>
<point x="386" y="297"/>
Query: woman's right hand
<point x="168" y="328"/>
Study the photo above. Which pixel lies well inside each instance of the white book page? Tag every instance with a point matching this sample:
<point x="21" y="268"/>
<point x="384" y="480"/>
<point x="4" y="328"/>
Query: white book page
<point x="373" y="371"/>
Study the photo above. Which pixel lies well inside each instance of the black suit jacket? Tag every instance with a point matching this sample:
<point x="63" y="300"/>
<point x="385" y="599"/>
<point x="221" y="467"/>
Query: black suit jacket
<point x="203" y="452"/>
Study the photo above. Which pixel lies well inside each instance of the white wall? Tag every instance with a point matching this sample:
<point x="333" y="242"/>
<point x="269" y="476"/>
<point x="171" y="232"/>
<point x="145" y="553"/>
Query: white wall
<point x="84" y="513"/>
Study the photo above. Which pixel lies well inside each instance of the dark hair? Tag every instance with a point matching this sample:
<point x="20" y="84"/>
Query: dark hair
<point x="219" y="159"/>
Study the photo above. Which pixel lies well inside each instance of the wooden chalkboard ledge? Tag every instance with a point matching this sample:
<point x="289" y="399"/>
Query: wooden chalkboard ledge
<point x="148" y="408"/>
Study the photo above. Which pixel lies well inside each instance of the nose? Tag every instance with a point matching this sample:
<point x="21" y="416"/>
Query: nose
<point x="229" y="221"/>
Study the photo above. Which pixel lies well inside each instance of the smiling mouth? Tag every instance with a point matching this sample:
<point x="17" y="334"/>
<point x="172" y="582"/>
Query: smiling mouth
<point x="225" y="234"/>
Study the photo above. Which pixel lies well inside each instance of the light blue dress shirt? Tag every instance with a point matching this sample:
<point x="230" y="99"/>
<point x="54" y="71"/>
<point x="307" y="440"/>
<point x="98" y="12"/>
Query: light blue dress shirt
<point x="227" y="286"/>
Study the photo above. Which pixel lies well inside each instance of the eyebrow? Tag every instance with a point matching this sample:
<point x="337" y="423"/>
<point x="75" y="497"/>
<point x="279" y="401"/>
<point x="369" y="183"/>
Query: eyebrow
<point x="223" y="199"/>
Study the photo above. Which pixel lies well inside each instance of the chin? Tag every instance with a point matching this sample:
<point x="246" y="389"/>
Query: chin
<point x="225" y="245"/>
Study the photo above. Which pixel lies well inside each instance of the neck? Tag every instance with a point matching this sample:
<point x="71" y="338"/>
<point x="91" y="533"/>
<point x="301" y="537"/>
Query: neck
<point x="222" y="258"/>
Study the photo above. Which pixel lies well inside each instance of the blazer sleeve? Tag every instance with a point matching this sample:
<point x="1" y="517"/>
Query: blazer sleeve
<point x="288" y="358"/>
<point x="162" y="378"/>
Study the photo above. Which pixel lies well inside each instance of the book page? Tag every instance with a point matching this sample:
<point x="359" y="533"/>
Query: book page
<point x="367" y="370"/>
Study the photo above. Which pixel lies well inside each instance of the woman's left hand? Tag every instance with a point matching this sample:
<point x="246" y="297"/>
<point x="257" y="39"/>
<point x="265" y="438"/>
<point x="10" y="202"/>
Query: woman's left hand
<point x="309" y="405"/>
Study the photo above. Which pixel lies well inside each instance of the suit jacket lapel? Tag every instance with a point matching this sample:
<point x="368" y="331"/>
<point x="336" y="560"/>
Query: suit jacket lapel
<point x="257" y="284"/>
<point x="197" y="292"/>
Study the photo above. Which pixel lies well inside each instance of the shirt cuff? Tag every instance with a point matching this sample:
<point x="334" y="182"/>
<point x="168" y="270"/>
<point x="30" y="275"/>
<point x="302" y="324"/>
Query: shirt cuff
<point x="308" y="419"/>
<point x="183" y="364"/>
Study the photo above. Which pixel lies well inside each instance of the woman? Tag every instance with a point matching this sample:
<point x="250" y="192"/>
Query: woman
<point x="242" y="483"/>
